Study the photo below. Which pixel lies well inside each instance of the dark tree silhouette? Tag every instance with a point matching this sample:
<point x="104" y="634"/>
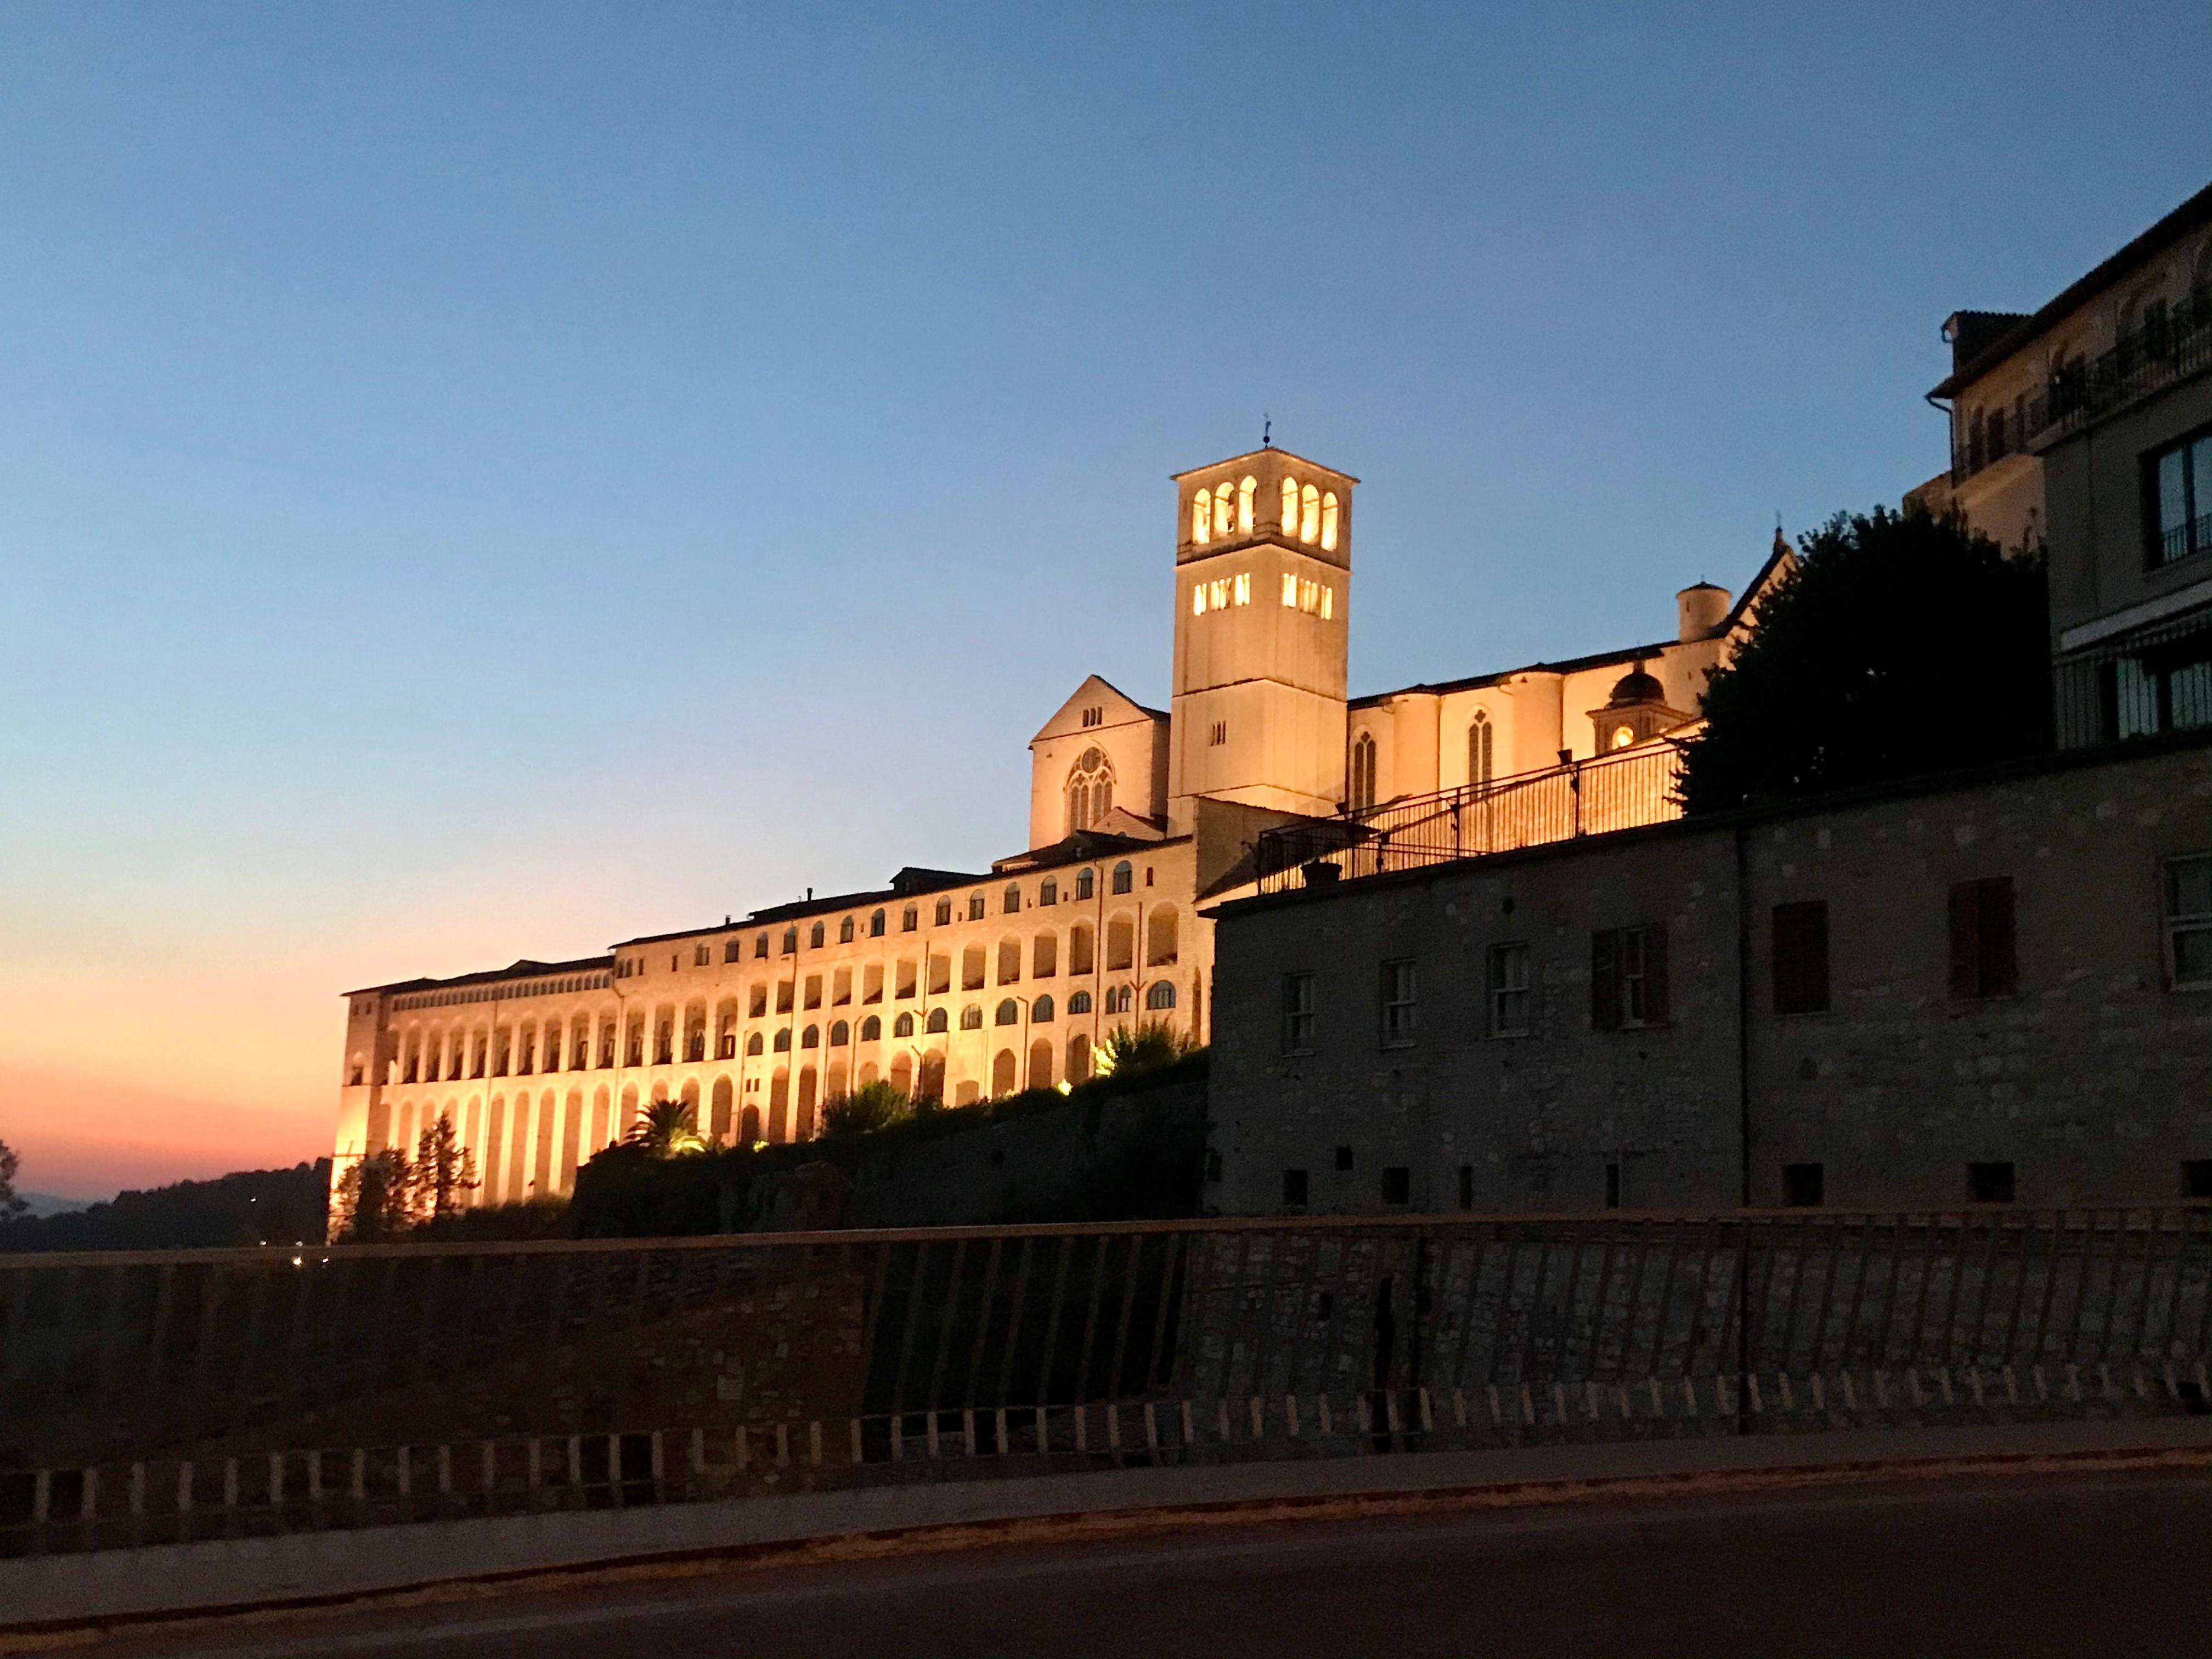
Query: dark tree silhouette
<point x="1902" y="644"/>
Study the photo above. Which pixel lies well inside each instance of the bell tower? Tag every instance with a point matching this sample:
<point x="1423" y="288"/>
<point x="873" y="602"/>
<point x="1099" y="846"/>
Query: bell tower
<point x="1263" y="595"/>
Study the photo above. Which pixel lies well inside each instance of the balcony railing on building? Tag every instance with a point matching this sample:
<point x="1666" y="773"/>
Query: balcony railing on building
<point x="1529" y="809"/>
<point x="2168" y="346"/>
<point x="2148" y="681"/>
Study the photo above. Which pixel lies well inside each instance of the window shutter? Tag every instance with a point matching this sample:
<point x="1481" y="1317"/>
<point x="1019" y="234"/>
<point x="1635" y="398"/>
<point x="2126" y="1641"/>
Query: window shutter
<point x="1965" y="940"/>
<point x="1655" y="974"/>
<point x="1604" y="980"/>
<point x="1815" y="946"/>
<point x="2000" y="952"/>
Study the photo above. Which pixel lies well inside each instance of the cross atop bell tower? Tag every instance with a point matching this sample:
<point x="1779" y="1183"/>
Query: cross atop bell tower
<point x="1263" y="594"/>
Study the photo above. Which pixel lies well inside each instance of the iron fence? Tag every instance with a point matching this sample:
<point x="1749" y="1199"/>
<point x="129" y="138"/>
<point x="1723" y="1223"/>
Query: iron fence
<point x="1580" y="798"/>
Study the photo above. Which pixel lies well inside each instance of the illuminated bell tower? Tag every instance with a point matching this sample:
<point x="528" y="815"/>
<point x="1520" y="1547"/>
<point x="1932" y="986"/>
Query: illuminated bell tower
<point x="1263" y="594"/>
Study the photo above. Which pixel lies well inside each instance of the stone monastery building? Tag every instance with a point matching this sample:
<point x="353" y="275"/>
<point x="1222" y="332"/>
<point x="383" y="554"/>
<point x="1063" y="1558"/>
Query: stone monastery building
<point x="964" y="984"/>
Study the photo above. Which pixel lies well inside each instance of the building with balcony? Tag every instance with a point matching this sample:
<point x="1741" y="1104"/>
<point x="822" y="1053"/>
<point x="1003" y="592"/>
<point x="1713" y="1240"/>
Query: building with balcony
<point x="2086" y="426"/>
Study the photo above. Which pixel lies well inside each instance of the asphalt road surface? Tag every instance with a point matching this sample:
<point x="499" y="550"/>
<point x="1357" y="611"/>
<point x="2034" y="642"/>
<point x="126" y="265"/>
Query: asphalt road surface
<point x="2086" y="1564"/>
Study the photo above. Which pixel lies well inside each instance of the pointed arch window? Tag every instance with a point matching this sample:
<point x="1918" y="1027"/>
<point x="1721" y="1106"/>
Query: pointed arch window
<point x="1482" y="748"/>
<point x="1090" y="791"/>
<point x="1328" y="522"/>
<point x="1361" y="795"/>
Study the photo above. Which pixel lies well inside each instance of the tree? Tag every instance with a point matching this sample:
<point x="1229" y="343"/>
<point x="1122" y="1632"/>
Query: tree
<point x="443" y="1170"/>
<point x="12" y="1205"/>
<point x="871" y="1107"/>
<point x="1154" y="1044"/>
<point x="1902" y="644"/>
<point x="373" y="1196"/>
<point x="668" y="1129"/>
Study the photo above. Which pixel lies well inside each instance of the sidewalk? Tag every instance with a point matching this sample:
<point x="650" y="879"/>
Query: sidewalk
<point x="237" y="1575"/>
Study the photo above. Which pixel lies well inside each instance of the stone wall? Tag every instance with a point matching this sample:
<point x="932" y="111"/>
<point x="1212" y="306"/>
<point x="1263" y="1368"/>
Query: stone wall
<point x="2094" y="1078"/>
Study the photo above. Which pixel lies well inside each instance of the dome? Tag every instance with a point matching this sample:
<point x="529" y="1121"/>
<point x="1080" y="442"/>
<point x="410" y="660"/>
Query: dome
<point x="1636" y="686"/>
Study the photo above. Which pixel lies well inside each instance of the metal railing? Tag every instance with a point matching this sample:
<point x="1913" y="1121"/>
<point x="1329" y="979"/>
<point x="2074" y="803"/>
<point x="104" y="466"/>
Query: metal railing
<point x="1529" y="809"/>
<point x="2165" y="350"/>
<point x="2150" y="680"/>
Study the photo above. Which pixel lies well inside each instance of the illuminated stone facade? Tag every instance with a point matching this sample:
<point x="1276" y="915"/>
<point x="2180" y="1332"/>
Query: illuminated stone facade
<point x="971" y="985"/>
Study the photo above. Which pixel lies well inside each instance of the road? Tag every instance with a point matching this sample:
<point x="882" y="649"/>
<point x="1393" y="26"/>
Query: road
<point x="2110" y="1564"/>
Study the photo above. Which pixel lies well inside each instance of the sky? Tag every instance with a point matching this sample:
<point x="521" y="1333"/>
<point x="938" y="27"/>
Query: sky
<point x="489" y="481"/>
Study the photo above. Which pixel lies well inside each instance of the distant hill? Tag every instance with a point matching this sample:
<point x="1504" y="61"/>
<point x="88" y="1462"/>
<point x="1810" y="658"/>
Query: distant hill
<point x="251" y="1207"/>
<point x="43" y="1203"/>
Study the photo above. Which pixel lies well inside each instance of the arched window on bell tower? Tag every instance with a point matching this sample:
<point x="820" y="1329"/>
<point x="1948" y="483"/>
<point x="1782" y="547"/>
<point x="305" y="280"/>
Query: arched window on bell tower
<point x="1201" y="518"/>
<point x="1245" y="488"/>
<point x="1223" y="512"/>
<point x="1090" y="791"/>
<point x="1290" y="506"/>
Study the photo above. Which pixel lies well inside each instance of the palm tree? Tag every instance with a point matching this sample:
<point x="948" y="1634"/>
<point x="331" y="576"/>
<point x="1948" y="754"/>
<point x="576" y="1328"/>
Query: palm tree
<point x="668" y="1129"/>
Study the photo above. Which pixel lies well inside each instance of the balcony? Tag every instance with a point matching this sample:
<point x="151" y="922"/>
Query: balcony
<point x="2169" y="346"/>
<point x="1529" y="809"/>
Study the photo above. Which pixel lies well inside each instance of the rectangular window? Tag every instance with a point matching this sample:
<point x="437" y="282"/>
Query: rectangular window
<point x="1467" y="1186"/>
<point x="2196" y="1177"/>
<point x="1990" y="1184"/>
<point x="2178" y="481"/>
<point x="1344" y="1158"/>
<point x="1218" y="735"/>
<point x="1290" y="592"/>
<point x="1804" y="1186"/>
<point x="1397" y="1185"/>
<point x="1508" y="975"/>
<point x="1628" y="978"/>
<point x="1294" y="1189"/>
<point x="2189" y="920"/>
<point x="1800" y="957"/>
<point x="975" y="907"/>
<point x="1985" y="955"/>
<point x="1244" y="586"/>
<point x="1297" y="1013"/>
<point x="1400" y="1008"/>
<point x="1612" y="1186"/>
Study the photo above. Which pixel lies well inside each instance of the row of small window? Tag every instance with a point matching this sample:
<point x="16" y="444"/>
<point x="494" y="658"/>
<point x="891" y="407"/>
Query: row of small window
<point x="1628" y="965"/>
<point x="1220" y="592"/>
<point x="1159" y="996"/>
<point x="1122" y="880"/>
<point x="1308" y="512"/>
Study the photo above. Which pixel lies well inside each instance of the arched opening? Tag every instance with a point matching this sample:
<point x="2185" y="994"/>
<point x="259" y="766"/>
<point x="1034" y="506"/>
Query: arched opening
<point x="1002" y="1072"/>
<point x="1224" y="514"/>
<point x="814" y="937"/>
<point x="876" y="924"/>
<point x="1160" y="936"/>
<point x="628" y="1112"/>
<point x="600" y="1128"/>
<point x="810" y="1037"/>
<point x="1121" y="945"/>
<point x="903" y="1073"/>
<point x="1010" y="960"/>
<point x="548" y="1126"/>
<point x="1360" y="791"/>
<point x="903" y="1026"/>
<point x="1328" y="522"/>
<point x="1079" y="1002"/>
<point x="1040" y="1065"/>
<point x="1309" y="512"/>
<point x="844" y="931"/>
<point x="840" y="1035"/>
<point x="1201" y="518"/>
<point x="1289" y="514"/>
<point x="971" y="1018"/>
<point x="837" y="1086"/>
<point x="809" y="1088"/>
<point x="1041" y="1012"/>
<point x="495" y="1142"/>
<point x="1080" y="948"/>
<point x="571" y="1134"/>
<point x="1078" y="1058"/>
<point x="936" y="1021"/>
<point x="779" y="1105"/>
<point x="719" y="1124"/>
<point x="1161" y="995"/>
<point x="749" y="1126"/>
<point x="1086" y="883"/>
<point x="1245" y="488"/>
<point x="1482" y="748"/>
<point x="753" y="1044"/>
<point x="1044" y="956"/>
<point x="933" y="1077"/>
<point x="869" y="1074"/>
<point x="1009" y="1012"/>
<point x="971" y="969"/>
<point x="1124" y="877"/>
<point x="872" y="1029"/>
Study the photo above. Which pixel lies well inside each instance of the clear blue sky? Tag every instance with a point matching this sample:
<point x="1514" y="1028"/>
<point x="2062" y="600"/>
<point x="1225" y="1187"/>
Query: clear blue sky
<point x="486" y="480"/>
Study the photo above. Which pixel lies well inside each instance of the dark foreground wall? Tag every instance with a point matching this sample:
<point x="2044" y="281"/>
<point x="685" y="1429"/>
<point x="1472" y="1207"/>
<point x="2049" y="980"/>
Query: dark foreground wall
<point x="2007" y="970"/>
<point x="1096" y="1155"/>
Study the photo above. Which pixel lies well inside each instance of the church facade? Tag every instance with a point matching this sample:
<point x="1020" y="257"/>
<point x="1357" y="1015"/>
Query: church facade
<point x="975" y="984"/>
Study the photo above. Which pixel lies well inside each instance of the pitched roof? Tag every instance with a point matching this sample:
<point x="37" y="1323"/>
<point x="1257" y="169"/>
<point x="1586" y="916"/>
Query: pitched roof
<point x="2002" y="343"/>
<point x="523" y="968"/>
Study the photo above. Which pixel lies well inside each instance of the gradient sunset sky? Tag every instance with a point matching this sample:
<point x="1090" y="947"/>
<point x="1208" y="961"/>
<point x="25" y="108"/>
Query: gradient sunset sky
<point x="486" y="481"/>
